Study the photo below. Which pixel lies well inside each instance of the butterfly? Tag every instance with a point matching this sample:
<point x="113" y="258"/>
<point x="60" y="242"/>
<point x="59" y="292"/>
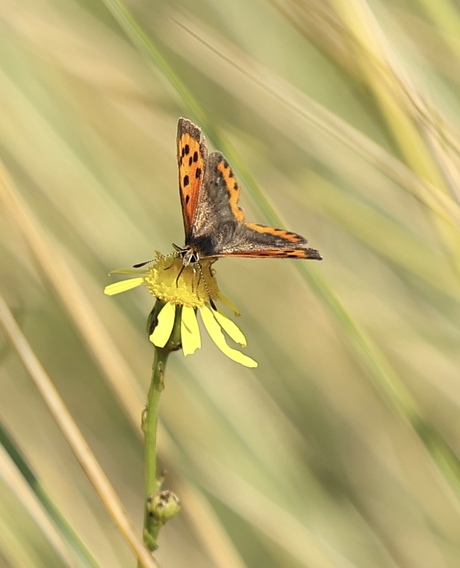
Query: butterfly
<point x="214" y="223"/>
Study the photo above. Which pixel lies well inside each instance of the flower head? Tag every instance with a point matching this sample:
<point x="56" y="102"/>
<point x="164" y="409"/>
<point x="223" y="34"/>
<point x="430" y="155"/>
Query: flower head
<point x="184" y="291"/>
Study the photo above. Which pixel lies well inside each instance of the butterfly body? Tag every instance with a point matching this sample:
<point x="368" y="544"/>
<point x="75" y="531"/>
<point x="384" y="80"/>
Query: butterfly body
<point x="214" y="223"/>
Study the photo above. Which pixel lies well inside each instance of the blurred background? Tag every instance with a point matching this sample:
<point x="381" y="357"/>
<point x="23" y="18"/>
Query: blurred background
<point x="341" y="120"/>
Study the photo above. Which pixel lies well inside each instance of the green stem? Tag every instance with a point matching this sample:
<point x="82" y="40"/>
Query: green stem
<point x="152" y="523"/>
<point x="150" y="424"/>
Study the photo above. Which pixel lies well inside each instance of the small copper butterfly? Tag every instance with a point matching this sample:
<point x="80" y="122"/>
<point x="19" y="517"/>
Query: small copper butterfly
<point x="214" y="223"/>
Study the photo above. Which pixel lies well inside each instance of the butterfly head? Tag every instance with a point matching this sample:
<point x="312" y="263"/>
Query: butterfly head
<point x="188" y="254"/>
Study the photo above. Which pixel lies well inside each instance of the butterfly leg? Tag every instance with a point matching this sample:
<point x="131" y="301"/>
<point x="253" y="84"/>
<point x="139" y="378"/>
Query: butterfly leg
<point x="201" y="276"/>
<point x="180" y="272"/>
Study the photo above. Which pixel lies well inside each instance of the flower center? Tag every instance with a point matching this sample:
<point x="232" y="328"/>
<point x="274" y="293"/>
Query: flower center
<point x="170" y="279"/>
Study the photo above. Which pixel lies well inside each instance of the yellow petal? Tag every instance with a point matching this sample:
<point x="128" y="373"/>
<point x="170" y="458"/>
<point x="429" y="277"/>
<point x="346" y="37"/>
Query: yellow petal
<point x="224" y="300"/>
<point x="165" y="325"/>
<point x="231" y="328"/>
<point x="214" y="330"/>
<point x="190" y="332"/>
<point x="122" y="286"/>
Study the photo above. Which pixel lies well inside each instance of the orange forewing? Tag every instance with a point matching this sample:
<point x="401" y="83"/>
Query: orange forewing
<point x="191" y="157"/>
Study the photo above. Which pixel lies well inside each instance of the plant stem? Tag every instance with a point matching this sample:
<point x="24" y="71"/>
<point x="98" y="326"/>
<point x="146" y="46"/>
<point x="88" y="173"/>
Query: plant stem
<point x="149" y="425"/>
<point x="153" y="523"/>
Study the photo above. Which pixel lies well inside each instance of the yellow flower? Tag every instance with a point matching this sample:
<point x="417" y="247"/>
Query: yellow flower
<point x="187" y="291"/>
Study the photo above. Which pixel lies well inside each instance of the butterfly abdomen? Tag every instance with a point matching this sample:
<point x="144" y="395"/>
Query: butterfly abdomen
<point x="209" y="244"/>
<point x="204" y="245"/>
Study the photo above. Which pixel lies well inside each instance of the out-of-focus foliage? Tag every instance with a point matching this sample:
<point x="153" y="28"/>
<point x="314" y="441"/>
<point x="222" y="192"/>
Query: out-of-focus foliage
<point x="341" y="120"/>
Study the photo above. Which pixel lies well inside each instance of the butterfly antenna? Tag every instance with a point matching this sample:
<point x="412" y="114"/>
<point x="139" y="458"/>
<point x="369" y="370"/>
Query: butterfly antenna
<point x="211" y="301"/>
<point x="141" y="264"/>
